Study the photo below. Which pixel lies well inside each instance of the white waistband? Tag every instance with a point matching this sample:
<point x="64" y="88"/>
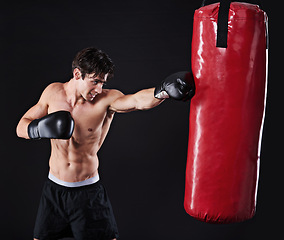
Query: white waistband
<point x="74" y="184"/>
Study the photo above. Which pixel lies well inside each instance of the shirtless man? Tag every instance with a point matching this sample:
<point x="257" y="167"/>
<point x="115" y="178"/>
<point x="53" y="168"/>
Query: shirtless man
<point x="76" y="116"/>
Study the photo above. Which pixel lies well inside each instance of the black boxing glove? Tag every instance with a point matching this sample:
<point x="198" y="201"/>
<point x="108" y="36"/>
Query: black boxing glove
<point x="57" y="125"/>
<point x="179" y="86"/>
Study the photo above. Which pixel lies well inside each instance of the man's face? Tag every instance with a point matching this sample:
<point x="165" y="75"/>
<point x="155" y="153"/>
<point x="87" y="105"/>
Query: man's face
<point x="92" y="85"/>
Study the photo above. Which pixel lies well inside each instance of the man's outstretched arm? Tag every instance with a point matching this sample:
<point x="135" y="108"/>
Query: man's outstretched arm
<point x="179" y="86"/>
<point x="142" y="100"/>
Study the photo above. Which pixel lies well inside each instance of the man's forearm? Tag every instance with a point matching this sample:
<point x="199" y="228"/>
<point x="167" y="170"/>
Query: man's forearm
<point x="141" y="100"/>
<point x="145" y="99"/>
<point x="22" y="128"/>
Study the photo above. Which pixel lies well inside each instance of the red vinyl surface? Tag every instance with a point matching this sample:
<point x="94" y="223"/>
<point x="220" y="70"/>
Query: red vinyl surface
<point x="226" y="115"/>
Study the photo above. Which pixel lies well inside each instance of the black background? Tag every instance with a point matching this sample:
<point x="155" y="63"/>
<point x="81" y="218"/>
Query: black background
<point x="142" y="162"/>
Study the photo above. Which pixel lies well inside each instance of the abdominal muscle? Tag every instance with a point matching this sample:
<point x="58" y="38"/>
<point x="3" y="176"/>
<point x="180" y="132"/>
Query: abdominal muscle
<point x="71" y="161"/>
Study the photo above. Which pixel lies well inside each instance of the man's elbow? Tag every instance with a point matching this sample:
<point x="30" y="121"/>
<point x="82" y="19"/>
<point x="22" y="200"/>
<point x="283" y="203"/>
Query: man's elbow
<point x="21" y="131"/>
<point x="18" y="131"/>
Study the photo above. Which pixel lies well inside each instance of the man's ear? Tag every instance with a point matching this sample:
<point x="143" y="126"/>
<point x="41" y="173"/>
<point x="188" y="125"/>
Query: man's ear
<point x="77" y="74"/>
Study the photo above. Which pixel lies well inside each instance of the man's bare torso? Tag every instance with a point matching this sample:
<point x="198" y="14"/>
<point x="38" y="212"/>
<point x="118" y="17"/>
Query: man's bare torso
<point x="76" y="159"/>
<point x="92" y="109"/>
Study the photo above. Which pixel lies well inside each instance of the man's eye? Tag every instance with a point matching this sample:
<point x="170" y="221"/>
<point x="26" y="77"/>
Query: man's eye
<point x="97" y="82"/>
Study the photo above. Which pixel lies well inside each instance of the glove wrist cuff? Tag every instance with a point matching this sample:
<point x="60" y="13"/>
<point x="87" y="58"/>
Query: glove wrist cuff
<point x="33" y="129"/>
<point x="161" y="95"/>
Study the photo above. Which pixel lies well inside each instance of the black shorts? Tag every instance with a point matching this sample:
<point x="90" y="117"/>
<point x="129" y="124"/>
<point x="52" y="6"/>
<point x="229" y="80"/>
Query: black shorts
<point x="80" y="212"/>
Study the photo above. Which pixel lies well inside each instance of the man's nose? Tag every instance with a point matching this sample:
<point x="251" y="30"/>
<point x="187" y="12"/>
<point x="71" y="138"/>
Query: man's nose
<point x="99" y="88"/>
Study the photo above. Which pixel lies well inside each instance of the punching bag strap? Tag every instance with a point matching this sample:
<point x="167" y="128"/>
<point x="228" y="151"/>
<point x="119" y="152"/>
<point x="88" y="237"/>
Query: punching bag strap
<point x="256" y="1"/>
<point x="222" y="25"/>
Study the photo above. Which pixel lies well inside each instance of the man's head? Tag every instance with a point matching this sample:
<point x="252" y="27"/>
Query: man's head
<point x="92" y="60"/>
<point x="91" y="68"/>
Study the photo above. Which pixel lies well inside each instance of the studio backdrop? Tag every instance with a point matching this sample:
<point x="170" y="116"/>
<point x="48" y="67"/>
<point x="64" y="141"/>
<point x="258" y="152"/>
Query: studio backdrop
<point x="143" y="159"/>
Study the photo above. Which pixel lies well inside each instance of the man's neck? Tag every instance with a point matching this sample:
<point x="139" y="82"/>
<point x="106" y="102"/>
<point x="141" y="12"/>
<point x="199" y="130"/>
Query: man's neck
<point x="73" y="96"/>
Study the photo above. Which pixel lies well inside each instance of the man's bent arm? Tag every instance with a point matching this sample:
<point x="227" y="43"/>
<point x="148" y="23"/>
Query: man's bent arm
<point x="37" y="111"/>
<point x="142" y="100"/>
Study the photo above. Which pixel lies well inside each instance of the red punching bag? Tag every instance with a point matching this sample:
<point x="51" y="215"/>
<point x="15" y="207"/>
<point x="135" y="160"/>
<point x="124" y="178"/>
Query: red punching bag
<point x="229" y="61"/>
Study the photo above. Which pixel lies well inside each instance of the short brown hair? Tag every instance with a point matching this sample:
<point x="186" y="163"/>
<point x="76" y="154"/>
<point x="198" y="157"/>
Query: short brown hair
<point x="92" y="60"/>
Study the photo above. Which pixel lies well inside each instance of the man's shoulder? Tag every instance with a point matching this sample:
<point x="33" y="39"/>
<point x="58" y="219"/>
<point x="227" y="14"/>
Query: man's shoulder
<point x="112" y="93"/>
<point x="53" y="88"/>
<point x="50" y="91"/>
<point x="108" y="96"/>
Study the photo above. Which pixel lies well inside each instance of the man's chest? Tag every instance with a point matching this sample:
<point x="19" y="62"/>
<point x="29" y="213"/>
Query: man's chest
<point x="88" y="117"/>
